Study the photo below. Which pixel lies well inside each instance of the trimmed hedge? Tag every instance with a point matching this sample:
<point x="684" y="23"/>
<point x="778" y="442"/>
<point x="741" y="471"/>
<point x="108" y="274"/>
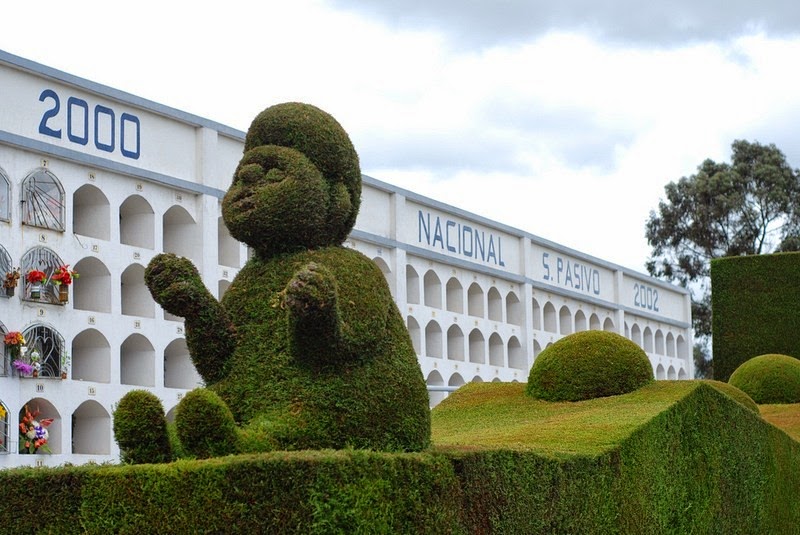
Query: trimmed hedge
<point x="769" y="379"/>
<point x="682" y="471"/>
<point x="589" y="364"/>
<point x="754" y="300"/>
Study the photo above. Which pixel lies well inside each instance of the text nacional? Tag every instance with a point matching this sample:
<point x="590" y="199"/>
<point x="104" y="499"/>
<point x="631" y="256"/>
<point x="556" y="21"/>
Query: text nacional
<point x="460" y="238"/>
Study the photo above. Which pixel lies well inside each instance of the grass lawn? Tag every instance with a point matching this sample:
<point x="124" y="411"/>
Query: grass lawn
<point x="492" y="415"/>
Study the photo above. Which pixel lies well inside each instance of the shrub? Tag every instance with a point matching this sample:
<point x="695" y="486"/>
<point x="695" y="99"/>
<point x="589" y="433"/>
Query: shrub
<point x="735" y="393"/>
<point x="771" y="378"/>
<point x="587" y="365"/>
<point x="140" y="429"/>
<point x="205" y="425"/>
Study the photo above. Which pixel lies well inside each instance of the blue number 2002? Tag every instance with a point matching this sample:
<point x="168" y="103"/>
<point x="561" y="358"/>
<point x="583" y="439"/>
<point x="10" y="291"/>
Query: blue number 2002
<point x="103" y="119"/>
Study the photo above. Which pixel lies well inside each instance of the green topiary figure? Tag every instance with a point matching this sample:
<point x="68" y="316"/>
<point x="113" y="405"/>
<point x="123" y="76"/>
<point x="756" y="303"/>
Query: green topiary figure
<point x="307" y="347"/>
<point x="769" y="378"/>
<point x="587" y="365"/>
<point x="140" y="429"/>
<point x="205" y="425"/>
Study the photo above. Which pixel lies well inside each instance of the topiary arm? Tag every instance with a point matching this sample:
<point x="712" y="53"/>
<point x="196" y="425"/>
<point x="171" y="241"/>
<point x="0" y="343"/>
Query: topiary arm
<point x="311" y="300"/>
<point x="175" y="284"/>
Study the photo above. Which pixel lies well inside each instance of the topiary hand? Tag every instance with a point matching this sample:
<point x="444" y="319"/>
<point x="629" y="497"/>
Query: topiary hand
<point x="175" y="284"/>
<point x="311" y="300"/>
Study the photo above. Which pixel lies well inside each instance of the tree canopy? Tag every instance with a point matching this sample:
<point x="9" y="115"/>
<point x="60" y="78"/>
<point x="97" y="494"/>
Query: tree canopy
<point x="747" y="206"/>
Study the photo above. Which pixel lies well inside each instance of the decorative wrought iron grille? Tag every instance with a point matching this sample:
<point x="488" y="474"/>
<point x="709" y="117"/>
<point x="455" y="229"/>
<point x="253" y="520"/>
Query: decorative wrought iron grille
<point x="49" y="344"/>
<point x="5" y="261"/>
<point x="42" y="259"/>
<point x="43" y="200"/>
<point x="5" y="363"/>
<point x="5" y="196"/>
<point x="4" y="448"/>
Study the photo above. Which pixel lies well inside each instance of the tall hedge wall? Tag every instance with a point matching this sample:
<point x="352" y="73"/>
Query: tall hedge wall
<point x="684" y="471"/>
<point x="756" y="308"/>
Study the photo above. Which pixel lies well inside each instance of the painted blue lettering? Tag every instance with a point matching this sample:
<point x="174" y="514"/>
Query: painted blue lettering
<point x="500" y="252"/>
<point x="437" y="233"/>
<point x="568" y="276"/>
<point x="480" y="237"/>
<point x="546" y="266"/>
<point x="447" y="234"/>
<point x="559" y="268"/>
<point x="491" y="255"/>
<point x="464" y="231"/>
<point x="424" y="227"/>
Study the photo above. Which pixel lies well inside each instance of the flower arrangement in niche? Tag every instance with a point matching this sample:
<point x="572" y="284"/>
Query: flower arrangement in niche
<point x="33" y="433"/>
<point x="36" y="278"/>
<point x="63" y="275"/>
<point x="14" y="341"/>
<point x="10" y="281"/>
<point x="3" y="415"/>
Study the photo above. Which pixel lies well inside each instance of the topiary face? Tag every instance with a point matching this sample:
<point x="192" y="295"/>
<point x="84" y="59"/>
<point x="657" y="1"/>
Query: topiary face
<point x="298" y="184"/>
<point x="769" y="378"/>
<point x="587" y="365"/>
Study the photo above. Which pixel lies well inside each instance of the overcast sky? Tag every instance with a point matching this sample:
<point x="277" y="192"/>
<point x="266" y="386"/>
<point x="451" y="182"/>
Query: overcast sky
<point x="562" y="118"/>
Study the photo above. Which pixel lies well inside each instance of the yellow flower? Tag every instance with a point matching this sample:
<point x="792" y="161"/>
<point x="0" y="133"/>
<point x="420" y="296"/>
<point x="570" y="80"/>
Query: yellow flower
<point x="2" y="413"/>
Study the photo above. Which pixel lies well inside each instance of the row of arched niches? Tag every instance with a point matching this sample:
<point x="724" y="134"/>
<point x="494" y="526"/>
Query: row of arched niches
<point x="478" y="324"/>
<point x="44" y="205"/>
<point x="134" y="363"/>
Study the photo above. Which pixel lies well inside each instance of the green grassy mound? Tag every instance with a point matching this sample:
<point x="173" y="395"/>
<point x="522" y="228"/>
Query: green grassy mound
<point x="672" y="457"/>
<point x="769" y="379"/>
<point x="735" y="393"/>
<point x="589" y="364"/>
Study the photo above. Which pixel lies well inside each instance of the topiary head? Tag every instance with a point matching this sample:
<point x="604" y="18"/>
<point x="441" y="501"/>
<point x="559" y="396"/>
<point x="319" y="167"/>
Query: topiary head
<point x="298" y="184"/>
<point x="587" y="365"/>
<point x="771" y="378"/>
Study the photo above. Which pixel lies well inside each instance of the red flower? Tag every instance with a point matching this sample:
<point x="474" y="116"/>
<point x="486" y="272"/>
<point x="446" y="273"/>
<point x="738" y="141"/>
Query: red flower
<point x="63" y="275"/>
<point x="35" y="276"/>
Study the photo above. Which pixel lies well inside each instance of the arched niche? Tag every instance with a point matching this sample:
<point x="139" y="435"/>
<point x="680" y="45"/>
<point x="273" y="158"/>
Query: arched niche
<point x="435" y="379"/>
<point x="222" y="287"/>
<point x="516" y="355"/>
<point x="455" y="296"/>
<point x="228" y="247"/>
<point x="514" y="312"/>
<point x="43" y="201"/>
<point x="565" y="320"/>
<point x="92" y="290"/>
<point x="496" y="352"/>
<point x="456" y="380"/>
<point x="495" y="302"/>
<point x="91" y="213"/>
<point x="181" y="233"/>
<point x="137" y="223"/>
<point x="415" y="333"/>
<point x="433" y="290"/>
<point x="179" y="371"/>
<point x="477" y="347"/>
<point x="580" y="321"/>
<point x="49" y="345"/>
<point x="47" y="261"/>
<point x="135" y="297"/>
<point x="387" y="273"/>
<point x="550" y="318"/>
<point x="46" y="410"/>
<point x="91" y="429"/>
<point x="137" y="361"/>
<point x="412" y="286"/>
<point x="91" y="357"/>
<point x="536" y="311"/>
<point x="5" y="196"/>
<point x="455" y="343"/>
<point x="433" y="340"/>
<point x="475" y="300"/>
<point x="5" y="439"/>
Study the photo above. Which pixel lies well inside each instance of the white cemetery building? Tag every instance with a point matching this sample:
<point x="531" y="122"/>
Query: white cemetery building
<point x="102" y="181"/>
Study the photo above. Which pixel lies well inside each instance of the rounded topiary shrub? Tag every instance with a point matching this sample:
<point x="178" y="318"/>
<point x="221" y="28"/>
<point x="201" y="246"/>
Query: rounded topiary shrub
<point x="769" y="379"/>
<point x="140" y="429"/>
<point x="589" y="364"/>
<point x="205" y="425"/>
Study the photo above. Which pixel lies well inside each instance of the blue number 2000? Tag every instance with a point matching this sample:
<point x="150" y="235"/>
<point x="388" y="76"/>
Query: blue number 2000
<point x="104" y="120"/>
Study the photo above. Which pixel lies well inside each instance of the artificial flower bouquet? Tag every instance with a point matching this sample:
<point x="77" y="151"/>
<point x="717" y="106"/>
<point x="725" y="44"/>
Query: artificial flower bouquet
<point x="33" y="433"/>
<point x="63" y="275"/>
<point x="35" y="276"/>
